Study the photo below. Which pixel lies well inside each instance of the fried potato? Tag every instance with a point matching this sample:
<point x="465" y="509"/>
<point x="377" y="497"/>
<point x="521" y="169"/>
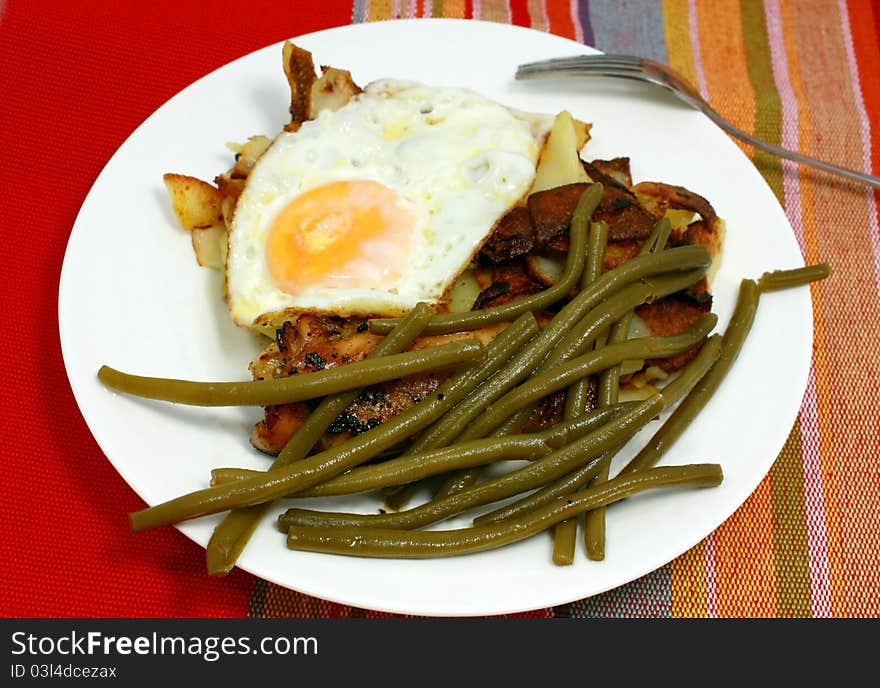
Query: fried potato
<point x="197" y="204"/>
<point x="511" y="238"/>
<point x="309" y="94"/>
<point x="463" y="294"/>
<point x="333" y="90"/>
<point x="300" y="72"/>
<point x="544" y="269"/>
<point x="616" y="168"/>
<point x="246" y="155"/>
<point x="209" y="243"/>
<point x="581" y="133"/>
<point x="560" y="162"/>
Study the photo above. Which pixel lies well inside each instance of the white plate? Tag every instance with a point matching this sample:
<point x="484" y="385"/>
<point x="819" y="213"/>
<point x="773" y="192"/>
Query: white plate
<point x="131" y="296"/>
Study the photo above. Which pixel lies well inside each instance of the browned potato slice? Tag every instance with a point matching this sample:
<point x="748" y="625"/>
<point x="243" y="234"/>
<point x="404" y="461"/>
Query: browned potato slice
<point x="464" y="292"/>
<point x="581" y="133"/>
<point x="551" y="210"/>
<point x="309" y="94"/>
<point x="618" y="252"/>
<point x="616" y="168"/>
<point x="545" y="270"/>
<point x="511" y="238"/>
<point x="209" y="243"/>
<point x="300" y="72"/>
<point x="559" y="163"/>
<point x="196" y="203"/>
<point x="333" y="90"/>
<point x="247" y="155"/>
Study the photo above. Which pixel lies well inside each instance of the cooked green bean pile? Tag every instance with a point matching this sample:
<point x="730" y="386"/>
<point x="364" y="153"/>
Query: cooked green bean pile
<point x="475" y="417"/>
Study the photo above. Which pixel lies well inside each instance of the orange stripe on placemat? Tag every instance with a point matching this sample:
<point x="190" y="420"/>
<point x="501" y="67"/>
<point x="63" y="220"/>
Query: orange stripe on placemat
<point x="538" y="15"/>
<point x="452" y="9"/>
<point x="492" y="10"/>
<point x="724" y="59"/>
<point x="559" y="18"/>
<point x="850" y="308"/>
<point x="744" y="557"/>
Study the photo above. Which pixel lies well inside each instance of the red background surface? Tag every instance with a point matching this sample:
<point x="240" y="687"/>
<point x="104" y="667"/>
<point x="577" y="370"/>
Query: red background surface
<point x="76" y="80"/>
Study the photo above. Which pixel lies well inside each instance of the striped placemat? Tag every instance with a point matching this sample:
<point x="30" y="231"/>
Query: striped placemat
<point x="794" y="73"/>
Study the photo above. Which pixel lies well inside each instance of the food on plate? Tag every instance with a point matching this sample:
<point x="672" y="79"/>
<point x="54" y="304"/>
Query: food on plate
<point x="371" y="208"/>
<point x="402" y="223"/>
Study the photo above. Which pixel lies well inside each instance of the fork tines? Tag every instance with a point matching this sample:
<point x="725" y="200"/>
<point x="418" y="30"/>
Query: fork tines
<point x="610" y="65"/>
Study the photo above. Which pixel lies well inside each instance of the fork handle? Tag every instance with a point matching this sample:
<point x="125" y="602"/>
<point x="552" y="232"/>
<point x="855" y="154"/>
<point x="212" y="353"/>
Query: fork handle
<point x="784" y="152"/>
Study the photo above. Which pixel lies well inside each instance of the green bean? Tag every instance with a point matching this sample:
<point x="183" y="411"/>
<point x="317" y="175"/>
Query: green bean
<point x="675" y="259"/>
<point x="609" y="380"/>
<point x="535" y="474"/>
<point x="557" y="436"/>
<point x="328" y="464"/>
<point x="684" y="267"/>
<point x="295" y="388"/>
<point x="512" y="425"/>
<point x="656" y="241"/>
<point x="686" y="379"/>
<point x="446" y="428"/>
<point x="304" y="440"/>
<point x="560" y="487"/>
<point x="406" y="468"/>
<point x="377" y="542"/>
<point x="574" y="265"/>
<point x="476" y="453"/>
<point x="519" y="367"/>
<point x="783" y="279"/>
<point x="594" y="521"/>
<point x="737" y="329"/>
<point x="451" y="424"/>
<point x="398" y="496"/>
<point x="578" y="393"/>
<point x="539" y="386"/>
<point x="458" y="481"/>
<point x="580" y="335"/>
<point x="227" y="474"/>
<point x="564" y="433"/>
<point x="231" y="535"/>
<point x="564" y="536"/>
<point x="609" y="383"/>
<point x="597" y="240"/>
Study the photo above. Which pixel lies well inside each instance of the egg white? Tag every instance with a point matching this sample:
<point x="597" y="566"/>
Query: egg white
<point x="457" y="162"/>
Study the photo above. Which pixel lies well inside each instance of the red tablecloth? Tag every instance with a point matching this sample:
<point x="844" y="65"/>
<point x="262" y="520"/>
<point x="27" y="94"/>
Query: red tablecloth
<point x="77" y="78"/>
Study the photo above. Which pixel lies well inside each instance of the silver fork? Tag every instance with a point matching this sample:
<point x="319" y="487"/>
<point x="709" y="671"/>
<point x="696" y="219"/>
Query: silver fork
<point x="643" y="69"/>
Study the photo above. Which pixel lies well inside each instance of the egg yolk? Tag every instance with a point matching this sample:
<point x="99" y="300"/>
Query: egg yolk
<point x="345" y="234"/>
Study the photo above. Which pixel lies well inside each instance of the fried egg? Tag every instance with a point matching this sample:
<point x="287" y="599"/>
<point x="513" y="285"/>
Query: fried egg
<point x="371" y="208"/>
